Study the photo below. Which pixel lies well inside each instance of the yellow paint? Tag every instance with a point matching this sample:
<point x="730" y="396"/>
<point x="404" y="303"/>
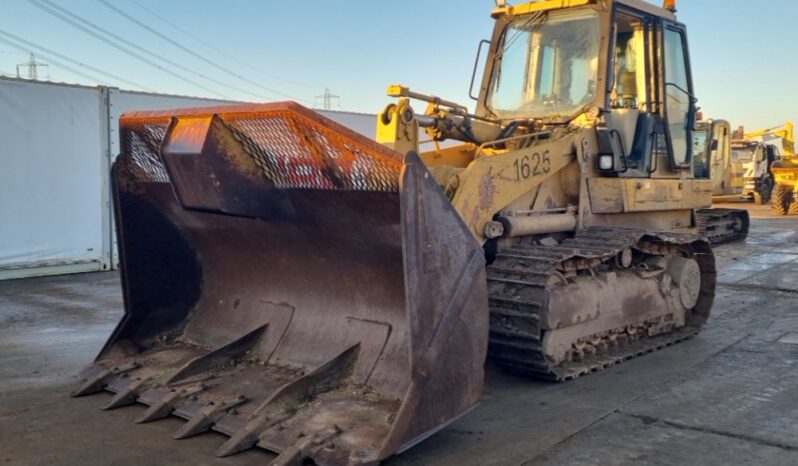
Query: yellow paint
<point x="490" y="184"/>
<point x="785" y="176"/>
<point x="532" y="7"/>
<point x="619" y="195"/>
<point x="396" y="133"/>
<point x="785" y="132"/>
<point x="457" y="156"/>
<point x="395" y="90"/>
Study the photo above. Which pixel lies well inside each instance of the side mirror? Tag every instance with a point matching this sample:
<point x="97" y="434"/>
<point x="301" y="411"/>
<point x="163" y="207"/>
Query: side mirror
<point x="482" y="43"/>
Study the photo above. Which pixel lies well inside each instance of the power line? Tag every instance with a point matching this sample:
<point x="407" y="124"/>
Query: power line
<point x="123" y="49"/>
<point x="172" y="63"/>
<point x="64" y="57"/>
<point x="75" y="20"/>
<point x="218" y="50"/>
<point x="56" y="62"/>
<point x="191" y="52"/>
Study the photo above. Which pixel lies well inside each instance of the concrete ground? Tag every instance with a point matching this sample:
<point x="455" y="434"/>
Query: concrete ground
<point x="728" y="396"/>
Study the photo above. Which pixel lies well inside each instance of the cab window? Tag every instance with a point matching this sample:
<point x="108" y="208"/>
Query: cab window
<point x="678" y="98"/>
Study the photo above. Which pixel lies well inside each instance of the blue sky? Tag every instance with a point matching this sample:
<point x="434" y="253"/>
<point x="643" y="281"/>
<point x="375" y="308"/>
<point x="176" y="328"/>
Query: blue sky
<point x="743" y="52"/>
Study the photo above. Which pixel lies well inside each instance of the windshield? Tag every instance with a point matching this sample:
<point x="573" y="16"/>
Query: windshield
<point x="742" y="155"/>
<point x="700" y="137"/>
<point x="547" y="65"/>
<point x="700" y="156"/>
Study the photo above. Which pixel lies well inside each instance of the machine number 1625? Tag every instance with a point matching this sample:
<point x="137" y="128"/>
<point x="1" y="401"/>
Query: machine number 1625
<point x="532" y="165"/>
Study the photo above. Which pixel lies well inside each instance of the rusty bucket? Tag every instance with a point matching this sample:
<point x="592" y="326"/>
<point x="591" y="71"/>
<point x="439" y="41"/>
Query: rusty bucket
<point x="291" y="284"/>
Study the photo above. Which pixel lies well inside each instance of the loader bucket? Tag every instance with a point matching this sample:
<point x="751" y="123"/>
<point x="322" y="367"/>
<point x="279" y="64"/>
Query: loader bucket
<point x="291" y="284"/>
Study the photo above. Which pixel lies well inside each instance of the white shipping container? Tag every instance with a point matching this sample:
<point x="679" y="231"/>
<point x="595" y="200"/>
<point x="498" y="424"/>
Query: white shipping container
<point x="57" y="143"/>
<point x="51" y="207"/>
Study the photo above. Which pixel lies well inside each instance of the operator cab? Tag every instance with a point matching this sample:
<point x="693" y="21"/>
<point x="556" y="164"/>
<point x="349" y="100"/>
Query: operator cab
<point x="711" y="154"/>
<point x="650" y="100"/>
<point x="627" y="62"/>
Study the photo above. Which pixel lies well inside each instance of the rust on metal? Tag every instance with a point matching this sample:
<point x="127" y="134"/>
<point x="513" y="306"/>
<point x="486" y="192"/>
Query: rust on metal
<point x="291" y="284"/>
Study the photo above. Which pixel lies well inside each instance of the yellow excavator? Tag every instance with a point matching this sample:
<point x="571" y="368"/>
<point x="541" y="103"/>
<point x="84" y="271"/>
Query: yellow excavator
<point x="303" y="289"/>
<point x="784" y="199"/>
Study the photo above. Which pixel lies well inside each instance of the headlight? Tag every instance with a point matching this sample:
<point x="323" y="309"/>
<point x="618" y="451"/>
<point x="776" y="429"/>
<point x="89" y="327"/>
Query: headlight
<point x="606" y="162"/>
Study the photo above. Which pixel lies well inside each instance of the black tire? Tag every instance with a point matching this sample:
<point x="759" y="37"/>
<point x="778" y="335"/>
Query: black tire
<point x="765" y="191"/>
<point x="781" y="199"/>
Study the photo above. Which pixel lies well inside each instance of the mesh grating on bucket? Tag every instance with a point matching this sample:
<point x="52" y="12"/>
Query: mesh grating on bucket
<point x="292" y="146"/>
<point x="140" y="150"/>
<point x="296" y="153"/>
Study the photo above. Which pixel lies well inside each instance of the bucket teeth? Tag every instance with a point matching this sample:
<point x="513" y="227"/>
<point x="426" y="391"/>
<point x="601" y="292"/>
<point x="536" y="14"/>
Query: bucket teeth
<point x="242" y="440"/>
<point x="207" y="417"/>
<point x="94" y="384"/>
<point x="293" y="455"/>
<point x="99" y="381"/>
<point x="129" y="395"/>
<point x="164" y="407"/>
<point x="304" y="446"/>
<point x="247" y="437"/>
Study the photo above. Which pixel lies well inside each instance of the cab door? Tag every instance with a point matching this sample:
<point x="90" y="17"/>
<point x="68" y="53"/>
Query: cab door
<point x="679" y="99"/>
<point x="722" y="169"/>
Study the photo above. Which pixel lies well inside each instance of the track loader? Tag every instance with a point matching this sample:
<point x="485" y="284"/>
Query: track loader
<point x="306" y="290"/>
<point x="738" y="168"/>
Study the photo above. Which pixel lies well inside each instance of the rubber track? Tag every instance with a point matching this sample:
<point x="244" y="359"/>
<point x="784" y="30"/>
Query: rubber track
<point x="517" y="294"/>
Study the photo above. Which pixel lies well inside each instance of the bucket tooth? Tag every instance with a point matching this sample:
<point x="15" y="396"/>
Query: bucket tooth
<point x="129" y="394"/>
<point x="100" y="380"/>
<point x="94" y="384"/>
<point x="291" y="456"/>
<point x="304" y="447"/>
<point x="286" y="401"/>
<point x="207" y="417"/>
<point x="164" y="407"/>
<point x="245" y="438"/>
<point x="295" y="454"/>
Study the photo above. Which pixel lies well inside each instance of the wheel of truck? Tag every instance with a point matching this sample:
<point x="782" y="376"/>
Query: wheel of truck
<point x="762" y="196"/>
<point x="782" y="199"/>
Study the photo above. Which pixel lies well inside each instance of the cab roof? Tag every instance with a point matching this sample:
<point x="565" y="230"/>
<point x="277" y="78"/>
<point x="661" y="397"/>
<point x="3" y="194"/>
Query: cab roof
<point x="545" y="5"/>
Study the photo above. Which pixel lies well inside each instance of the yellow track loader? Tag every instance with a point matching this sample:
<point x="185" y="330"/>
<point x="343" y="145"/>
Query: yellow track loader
<point x="739" y="168"/>
<point x="306" y="290"/>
